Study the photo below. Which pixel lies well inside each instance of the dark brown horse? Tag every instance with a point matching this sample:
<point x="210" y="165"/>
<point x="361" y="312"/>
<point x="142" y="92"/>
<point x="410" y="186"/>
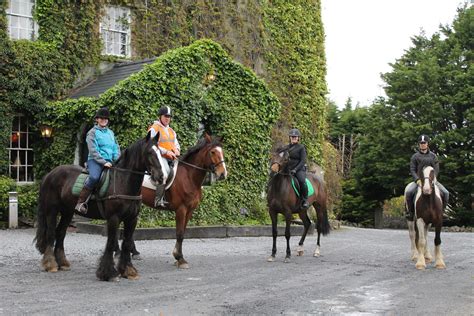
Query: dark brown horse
<point x="282" y="199"/>
<point x="428" y="211"/>
<point x="185" y="194"/>
<point x="121" y="204"/>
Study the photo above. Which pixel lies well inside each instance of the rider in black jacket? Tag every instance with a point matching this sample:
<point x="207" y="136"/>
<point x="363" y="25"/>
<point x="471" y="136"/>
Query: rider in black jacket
<point x="422" y="158"/>
<point x="297" y="164"/>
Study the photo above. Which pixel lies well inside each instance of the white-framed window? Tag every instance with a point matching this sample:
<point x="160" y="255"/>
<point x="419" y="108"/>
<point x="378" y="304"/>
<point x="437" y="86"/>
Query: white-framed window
<point x="20" y="151"/>
<point x="115" y="31"/>
<point x="20" y="20"/>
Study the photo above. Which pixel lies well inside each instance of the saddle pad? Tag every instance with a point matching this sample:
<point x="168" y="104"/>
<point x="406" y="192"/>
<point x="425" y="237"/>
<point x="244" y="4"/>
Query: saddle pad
<point x="308" y="183"/>
<point x="104" y="183"/>
<point x="148" y="183"/>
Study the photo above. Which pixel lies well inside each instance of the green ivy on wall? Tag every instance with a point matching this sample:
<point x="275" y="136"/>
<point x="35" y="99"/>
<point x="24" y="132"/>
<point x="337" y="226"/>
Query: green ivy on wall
<point x="235" y="105"/>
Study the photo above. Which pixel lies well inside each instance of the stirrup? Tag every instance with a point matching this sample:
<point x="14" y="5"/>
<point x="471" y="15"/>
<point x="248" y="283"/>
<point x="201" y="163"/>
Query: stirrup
<point x="81" y="208"/>
<point x="161" y="202"/>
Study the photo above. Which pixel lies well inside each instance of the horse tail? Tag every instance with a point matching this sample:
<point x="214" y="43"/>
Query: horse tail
<point x="323" y="225"/>
<point x="42" y="223"/>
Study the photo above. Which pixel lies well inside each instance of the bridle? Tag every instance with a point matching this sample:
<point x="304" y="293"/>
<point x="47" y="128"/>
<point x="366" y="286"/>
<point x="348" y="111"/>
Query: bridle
<point x="212" y="167"/>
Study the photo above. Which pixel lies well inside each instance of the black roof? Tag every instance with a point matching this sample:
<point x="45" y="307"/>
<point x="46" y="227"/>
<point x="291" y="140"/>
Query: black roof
<point x="110" y="78"/>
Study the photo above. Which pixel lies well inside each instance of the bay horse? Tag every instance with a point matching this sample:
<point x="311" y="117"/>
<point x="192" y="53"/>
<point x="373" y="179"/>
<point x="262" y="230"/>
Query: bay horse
<point x="185" y="193"/>
<point x="281" y="198"/>
<point x="121" y="204"/>
<point x="428" y="211"/>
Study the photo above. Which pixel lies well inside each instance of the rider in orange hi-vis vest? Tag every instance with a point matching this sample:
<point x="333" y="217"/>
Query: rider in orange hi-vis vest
<point x="168" y="146"/>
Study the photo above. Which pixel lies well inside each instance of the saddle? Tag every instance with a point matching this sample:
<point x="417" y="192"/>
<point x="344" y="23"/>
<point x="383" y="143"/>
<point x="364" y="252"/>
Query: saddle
<point x="101" y="188"/>
<point x="296" y="187"/>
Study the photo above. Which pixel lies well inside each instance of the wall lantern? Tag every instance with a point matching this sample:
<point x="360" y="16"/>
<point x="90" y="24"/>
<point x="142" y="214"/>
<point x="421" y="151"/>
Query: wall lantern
<point x="46" y="131"/>
<point x="210" y="77"/>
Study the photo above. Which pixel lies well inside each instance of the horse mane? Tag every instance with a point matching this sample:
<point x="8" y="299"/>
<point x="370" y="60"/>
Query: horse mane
<point x="130" y="151"/>
<point x="200" y="144"/>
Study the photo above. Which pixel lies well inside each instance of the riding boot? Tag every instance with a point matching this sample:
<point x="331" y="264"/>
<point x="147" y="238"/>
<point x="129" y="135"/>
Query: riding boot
<point x="84" y="196"/>
<point x="304" y="197"/>
<point x="160" y="196"/>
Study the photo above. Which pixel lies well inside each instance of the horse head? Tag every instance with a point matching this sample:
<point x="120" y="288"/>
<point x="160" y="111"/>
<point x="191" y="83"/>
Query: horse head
<point x="279" y="160"/>
<point x="428" y="179"/>
<point x="215" y="156"/>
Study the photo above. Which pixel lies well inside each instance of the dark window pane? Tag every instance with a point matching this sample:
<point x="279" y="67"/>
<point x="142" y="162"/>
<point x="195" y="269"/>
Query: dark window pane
<point x="23" y="122"/>
<point x="29" y="157"/>
<point x="23" y="140"/>
<point x="30" y="174"/>
<point x="15" y="124"/>
<point x="13" y="157"/>
<point x="22" y="157"/>
<point x="22" y="174"/>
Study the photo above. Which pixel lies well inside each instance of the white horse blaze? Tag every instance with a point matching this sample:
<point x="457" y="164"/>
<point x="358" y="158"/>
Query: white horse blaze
<point x="221" y="152"/>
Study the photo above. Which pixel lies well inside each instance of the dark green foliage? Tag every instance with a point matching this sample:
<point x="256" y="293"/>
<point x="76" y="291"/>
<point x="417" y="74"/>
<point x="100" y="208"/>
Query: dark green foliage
<point x="236" y="105"/>
<point x="429" y="91"/>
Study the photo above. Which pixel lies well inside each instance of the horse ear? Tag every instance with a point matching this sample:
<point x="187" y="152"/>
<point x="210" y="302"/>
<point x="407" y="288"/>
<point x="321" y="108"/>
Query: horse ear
<point x="156" y="138"/>
<point x="208" y="138"/>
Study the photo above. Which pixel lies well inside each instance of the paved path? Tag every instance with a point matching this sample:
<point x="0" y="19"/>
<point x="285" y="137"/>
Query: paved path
<point x="360" y="272"/>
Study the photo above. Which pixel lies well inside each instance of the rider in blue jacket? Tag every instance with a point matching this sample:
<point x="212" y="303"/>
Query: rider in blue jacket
<point x="103" y="151"/>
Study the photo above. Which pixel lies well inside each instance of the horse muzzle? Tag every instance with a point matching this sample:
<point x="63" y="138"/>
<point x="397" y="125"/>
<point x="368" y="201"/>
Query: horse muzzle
<point x="275" y="167"/>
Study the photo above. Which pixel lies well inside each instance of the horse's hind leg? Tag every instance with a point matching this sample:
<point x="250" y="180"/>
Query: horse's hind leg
<point x="125" y="266"/>
<point x="307" y="223"/>
<point x="61" y="230"/>
<point x="274" y="218"/>
<point x="439" y="262"/>
<point x="421" y="244"/>
<point x="412" y="234"/>
<point x="287" y="236"/>
<point x="49" y="260"/>
<point x="106" y="270"/>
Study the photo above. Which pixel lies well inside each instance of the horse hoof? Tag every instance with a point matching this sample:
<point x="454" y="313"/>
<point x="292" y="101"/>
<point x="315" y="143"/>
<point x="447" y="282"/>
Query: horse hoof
<point x="316" y="254"/>
<point x="133" y="277"/>
<point x="114" y="279"/>
<point x="287" y="260"/>
<point x="440" y="266"/>
<point x="137" y="257"/>
<point x="420" y="266"/>
<point x="65" y="268"/>
<point x="300" y="253"/>
<point x="271" y="259"/>
<point x="182" y="265"/>
<point x="53" y="270"/>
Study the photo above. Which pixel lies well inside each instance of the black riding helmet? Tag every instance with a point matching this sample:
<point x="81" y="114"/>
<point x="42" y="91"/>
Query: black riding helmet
<point x="294" y="132"/>
<point x="423" y="139"/>
<point x="165" y="110"/>
<point x="102" y="113"/>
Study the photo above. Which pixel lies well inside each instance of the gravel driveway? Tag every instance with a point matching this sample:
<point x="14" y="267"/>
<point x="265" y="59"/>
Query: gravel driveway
<point x="361" y="271"/>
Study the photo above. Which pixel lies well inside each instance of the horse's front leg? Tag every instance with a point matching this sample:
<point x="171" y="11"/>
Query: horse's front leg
<point x="287" y="236"/>
<point x="412" y="234"/>
<point x="181" y="221"/>
<point x="420" y="263"/>
<point x="439" y="262"/>
<point x="125" y="266"/>
<point x="106" y="270"/>
<point x="274" y="218"/>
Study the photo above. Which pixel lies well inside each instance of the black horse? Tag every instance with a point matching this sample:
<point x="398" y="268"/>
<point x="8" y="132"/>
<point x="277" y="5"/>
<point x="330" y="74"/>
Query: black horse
<point x="121" y="204"/>
<point x="281" y="198"/>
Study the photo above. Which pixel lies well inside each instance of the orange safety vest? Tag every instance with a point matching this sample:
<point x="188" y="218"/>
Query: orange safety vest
<point x="167" y="138"/>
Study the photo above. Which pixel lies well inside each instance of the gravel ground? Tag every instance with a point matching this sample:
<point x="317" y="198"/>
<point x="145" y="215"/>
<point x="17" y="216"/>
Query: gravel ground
<point x="360" y="272"/>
